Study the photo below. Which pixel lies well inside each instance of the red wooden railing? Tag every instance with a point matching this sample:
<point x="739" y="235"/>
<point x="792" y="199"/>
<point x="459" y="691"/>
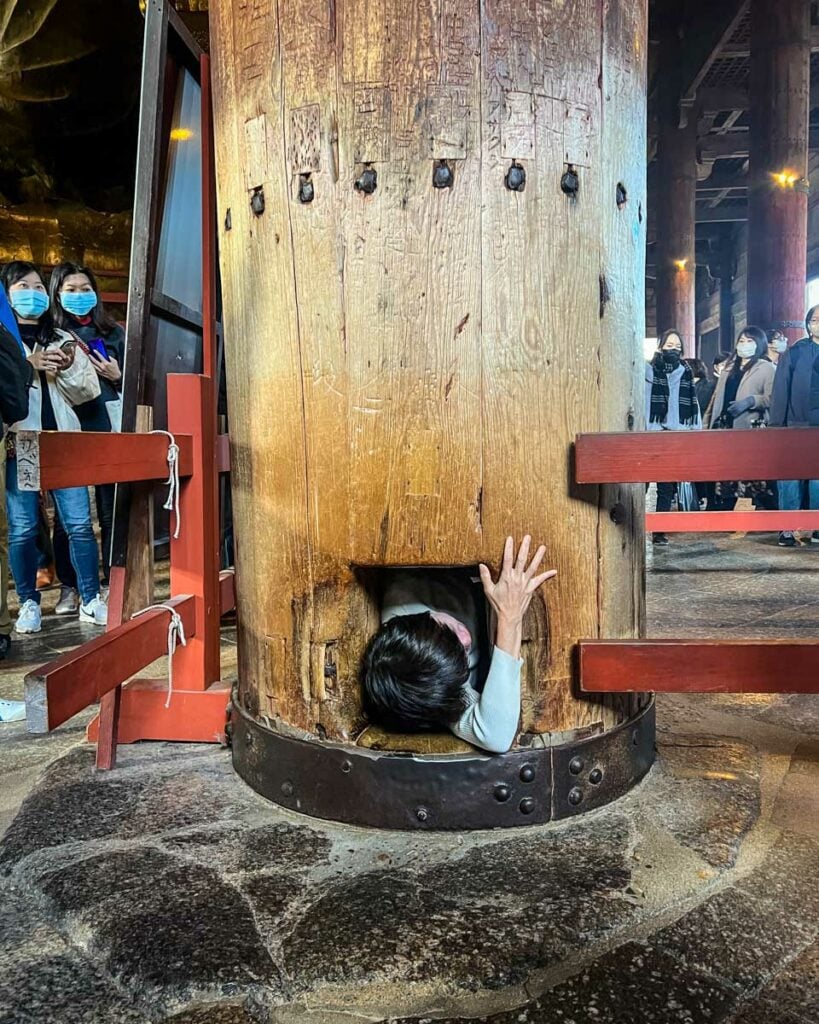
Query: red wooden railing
<point x="200" y="594"/>
<point x="713" y="665"/>
<point x="670" y="456"/>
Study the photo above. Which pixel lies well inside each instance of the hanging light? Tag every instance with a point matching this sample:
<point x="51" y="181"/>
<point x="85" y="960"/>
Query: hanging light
<point x="785" y="179"/>
<point x="181" y="134"/>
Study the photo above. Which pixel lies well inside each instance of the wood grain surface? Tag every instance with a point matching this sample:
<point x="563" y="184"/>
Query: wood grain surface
<point x="408" y="369"/>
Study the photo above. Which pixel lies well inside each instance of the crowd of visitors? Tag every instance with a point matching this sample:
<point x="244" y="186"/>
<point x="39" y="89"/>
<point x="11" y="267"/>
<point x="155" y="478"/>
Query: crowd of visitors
<point x="762" y="383"/>
<point x="60" y="369"/>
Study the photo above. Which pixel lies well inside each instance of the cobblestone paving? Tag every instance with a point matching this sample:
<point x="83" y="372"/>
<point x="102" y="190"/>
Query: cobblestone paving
<point x="167" y="891"/>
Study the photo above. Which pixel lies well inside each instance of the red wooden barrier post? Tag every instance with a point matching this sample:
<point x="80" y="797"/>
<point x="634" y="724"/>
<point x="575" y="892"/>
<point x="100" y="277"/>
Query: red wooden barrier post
<point x="199" y="701"/>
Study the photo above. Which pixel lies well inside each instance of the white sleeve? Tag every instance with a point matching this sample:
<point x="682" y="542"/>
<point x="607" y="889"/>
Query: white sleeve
<point x="491" y="722"/>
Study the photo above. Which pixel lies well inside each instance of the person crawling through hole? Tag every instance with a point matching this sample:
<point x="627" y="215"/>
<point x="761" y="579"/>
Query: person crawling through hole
<point x="422" y="669"/>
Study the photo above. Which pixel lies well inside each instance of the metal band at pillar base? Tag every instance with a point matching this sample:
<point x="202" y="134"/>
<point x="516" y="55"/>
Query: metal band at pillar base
<point x="348" y="784"/>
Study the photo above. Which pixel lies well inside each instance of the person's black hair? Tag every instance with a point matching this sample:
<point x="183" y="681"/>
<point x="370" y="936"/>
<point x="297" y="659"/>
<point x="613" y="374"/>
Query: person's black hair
<point x="101" y="319"/>
<point x="721" y="357"/>
<point x="697" y="367"/>
<point x="757" y="335"/>
<point x="774" y="332"/>
<point x="808" y="316"/>
<point x="15" y="271"/>
<point x="414" y="671"/>
<point x="665" y="336"/>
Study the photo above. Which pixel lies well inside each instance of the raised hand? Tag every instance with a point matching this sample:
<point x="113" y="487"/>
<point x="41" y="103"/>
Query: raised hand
<point x="513" y="592"/>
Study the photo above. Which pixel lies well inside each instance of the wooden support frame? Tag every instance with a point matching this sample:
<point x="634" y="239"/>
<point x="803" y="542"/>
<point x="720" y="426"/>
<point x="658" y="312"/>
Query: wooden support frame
<point x="702" y="666"/>
<point x="133" y="709"/>
<point x="65" y="686"/>
<point x="195" y="552"/>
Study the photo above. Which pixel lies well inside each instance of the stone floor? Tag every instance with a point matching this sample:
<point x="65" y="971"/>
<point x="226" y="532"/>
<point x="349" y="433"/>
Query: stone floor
<point x="167" y="891"/>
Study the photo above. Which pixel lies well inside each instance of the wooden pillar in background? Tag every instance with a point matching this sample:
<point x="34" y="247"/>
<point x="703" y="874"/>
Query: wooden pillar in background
<point x="727" y="266"/>
<point x="675" y="208"/>
<point x="778" y="196"/>
<point x="408" y="364"/>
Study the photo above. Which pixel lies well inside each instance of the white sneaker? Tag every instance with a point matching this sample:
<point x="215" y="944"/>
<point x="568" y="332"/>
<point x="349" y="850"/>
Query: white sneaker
<point x="29" y="618"/>
<point x="95" y="612"/>
<point x="69" y="603"/>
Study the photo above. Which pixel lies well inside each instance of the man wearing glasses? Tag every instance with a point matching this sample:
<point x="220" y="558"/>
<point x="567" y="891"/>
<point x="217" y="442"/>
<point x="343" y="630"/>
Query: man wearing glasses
<point x="790" y="407"/>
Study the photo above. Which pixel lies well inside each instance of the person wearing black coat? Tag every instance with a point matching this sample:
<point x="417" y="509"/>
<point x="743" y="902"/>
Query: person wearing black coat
<point x="813" y="396"/>
<point x="16" y="375"/>
<point x="791" y="406"/>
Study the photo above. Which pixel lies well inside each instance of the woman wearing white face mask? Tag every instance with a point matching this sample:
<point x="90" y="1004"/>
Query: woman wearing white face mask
<point x="743" y="394"/>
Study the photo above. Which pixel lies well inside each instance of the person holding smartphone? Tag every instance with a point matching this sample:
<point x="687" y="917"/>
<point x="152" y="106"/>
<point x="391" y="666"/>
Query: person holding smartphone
<point x="64" y="377"/>
<point x="76" y="307"/>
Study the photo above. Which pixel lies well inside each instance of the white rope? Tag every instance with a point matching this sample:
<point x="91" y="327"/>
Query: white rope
<point x="172" y="502"/>
<point x="176" y="634"/>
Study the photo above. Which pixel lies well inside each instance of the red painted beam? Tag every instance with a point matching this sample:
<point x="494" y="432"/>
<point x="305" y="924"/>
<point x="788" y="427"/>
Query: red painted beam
<point x="730" y="522"/>
<point x="57" y="691"/>
<point x="75" y="459"/>
<point x="671" y="455"/>
<point x="194" y="716"/>
<point x="699" y="666"/>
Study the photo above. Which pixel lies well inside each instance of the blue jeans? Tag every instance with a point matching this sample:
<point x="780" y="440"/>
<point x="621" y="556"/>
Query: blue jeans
<point x="790" y="494"/>
<point x="74" y="510"/>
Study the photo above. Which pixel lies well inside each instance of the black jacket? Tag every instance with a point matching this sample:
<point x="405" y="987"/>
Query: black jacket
<point x="16" y="375"/>
<point x="791" y="400"/>
<point x="813" y="400"/>
<point x="93" y="415"/>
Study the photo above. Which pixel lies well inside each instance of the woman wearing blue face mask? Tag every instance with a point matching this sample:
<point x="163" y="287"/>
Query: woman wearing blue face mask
<point x="64" y="377"/>
<point x="77" y="307"/>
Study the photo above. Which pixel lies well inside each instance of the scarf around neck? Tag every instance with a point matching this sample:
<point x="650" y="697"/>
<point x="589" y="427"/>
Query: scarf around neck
<point x="660" y="394"/>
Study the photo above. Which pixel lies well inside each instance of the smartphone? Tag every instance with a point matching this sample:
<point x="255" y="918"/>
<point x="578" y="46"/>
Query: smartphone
<point x="97" y="346"/>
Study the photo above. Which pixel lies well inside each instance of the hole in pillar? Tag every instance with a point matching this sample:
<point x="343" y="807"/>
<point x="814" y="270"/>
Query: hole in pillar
<point x="434" y="628"/>
<point x="620" y="195"/>
<point x="640" y="212"/>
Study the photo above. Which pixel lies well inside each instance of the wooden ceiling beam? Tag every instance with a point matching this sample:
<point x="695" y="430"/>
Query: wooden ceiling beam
<point x="722" y="214"/>
<point x="743" y="50"/>
<point x="703" y="44"/>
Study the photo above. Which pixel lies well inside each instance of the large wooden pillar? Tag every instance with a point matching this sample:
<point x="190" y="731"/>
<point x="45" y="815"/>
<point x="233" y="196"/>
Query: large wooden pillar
<point x="675" y="205"/>
<point x="408" y="364"/>
<point x="778" y="197"/>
